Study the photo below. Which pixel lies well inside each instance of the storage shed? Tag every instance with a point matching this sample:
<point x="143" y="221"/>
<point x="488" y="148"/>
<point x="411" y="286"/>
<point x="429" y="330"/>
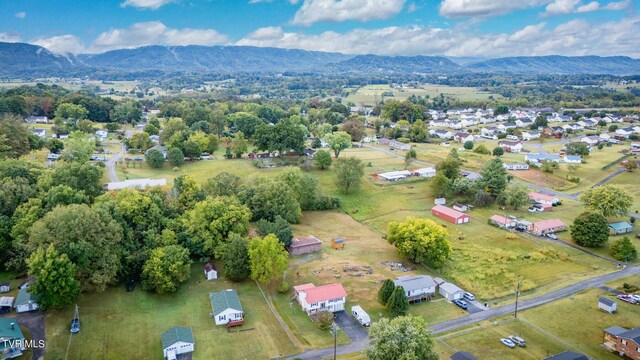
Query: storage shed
<point x="5" y="287"/>
<point x="337" y="243"/>
<point x="607" y="305"/>
<point x="305" y="245"/>
<point x="452" y="216"/>
<point x="210" y="271"/>
<point x="450" y="291"/>
<point x="440" y="201"/>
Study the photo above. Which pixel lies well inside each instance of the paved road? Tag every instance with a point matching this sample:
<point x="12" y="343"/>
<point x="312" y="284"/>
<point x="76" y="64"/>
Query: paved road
<point x="611" y="290"/>
<point x="484" y="315"/>
<point x="111" y="163"/>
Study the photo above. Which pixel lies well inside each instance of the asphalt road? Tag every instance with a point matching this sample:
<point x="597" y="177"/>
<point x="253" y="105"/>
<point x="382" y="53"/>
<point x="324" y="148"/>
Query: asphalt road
<point x="111" y="162"/>
<point x="483" y="315"/>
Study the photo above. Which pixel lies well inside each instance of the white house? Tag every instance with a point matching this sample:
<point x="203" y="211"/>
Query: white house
<point x="543" y="198"/>
<point x="450" y="291"/>
<point x="177" y="340"/>
<point x="417" y="288"/>
<point x="536" y="158"/>
<point x="210" y="271"/>
<point x="511" y="146"/>
<point x="513" y="166"/>
<point x="226" y="306"/>
<point x="607" y="305"/>
<point x="591" y="140"/>
<point x="573" y="159"/>
<point x="398" y="145"/>
<point x="25" y="301"/>
<point x="530" y="135"/>
<point x="523" y="123"/>
<point x="37" y="119"/>
<point x="427" y="172"/>
<point x="624" y="132"/>
<point x="395" y="175"/>
<point x="41" y="133"/>
<point x="463" y="137"/>
<point x="330" y="297"/>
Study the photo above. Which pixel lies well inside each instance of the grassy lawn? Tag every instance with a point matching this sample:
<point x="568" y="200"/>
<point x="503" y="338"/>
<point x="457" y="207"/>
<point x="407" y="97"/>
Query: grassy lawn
<point x="121" y="325"/>
<point x="632" y="280"/>
<point x="581" y="323"/>
<point x="484" y="341"/>
<point x="367" y="95"/>
<point x="629" y="181"/>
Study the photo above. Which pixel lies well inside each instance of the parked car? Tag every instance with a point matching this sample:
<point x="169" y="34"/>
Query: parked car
<point x="635" y="297"/>
<point x="532" y="209"/>
<point x="468" y="296"/>
<point x="53" y="156"/>
<point x="626" y="298"/>
<point x="508" y="343"/>
<point x="518" y="341"/>
<point x="638" y="235"/>
<point x="75" y="326"/>
<point x="552" y="236"/>
<point x="461" y="303"/>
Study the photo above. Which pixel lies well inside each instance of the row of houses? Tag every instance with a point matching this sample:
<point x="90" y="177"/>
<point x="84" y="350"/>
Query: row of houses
<point x="540" y="228"/>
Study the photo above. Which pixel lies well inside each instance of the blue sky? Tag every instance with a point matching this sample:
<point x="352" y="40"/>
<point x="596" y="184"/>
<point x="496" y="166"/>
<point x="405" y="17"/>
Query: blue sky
<point x="388" y="27"/>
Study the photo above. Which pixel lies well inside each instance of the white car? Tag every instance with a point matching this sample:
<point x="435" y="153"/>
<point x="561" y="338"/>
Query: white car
<point x="552" y="236"/>
<point x="508" y="343"/>
<point x="468" y="296"/>
<point x="518" y="340"/>
<point x="635" y="297"/>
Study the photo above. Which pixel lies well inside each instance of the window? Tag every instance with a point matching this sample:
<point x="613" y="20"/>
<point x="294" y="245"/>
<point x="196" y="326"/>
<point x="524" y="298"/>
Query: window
<point x="221" y="317"/>
<point x="624" y="342"/>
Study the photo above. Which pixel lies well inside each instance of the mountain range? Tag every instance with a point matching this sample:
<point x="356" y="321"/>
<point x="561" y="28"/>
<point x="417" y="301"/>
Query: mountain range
<point x="26" y="60"/>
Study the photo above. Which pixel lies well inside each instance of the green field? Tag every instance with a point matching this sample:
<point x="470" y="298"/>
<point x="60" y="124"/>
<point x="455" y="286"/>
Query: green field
<point x="370" y="94"/>
<point x="120" y="325"/>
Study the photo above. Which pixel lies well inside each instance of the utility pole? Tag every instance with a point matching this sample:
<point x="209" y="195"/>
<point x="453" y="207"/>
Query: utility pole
<point x="515" y="314"/>
<point x="334" y="331"/>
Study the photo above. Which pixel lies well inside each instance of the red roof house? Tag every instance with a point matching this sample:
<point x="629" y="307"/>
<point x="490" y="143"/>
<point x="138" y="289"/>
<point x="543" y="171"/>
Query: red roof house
<point x="330" y="297"/>
<point x="452" y="216"/>
<point x="502" y="221"/>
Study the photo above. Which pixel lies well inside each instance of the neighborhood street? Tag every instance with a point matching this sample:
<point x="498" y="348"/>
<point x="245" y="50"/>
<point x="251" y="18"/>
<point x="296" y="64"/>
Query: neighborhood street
<point x="111" y="162"/>
<point x="484" y="315"/>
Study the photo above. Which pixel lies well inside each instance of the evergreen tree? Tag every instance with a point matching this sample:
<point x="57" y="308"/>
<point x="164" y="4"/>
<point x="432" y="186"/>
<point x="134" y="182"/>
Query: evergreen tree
<point x="385" y="291"/>
<point x="494" y="177"/>
<point x="397" y="303"/>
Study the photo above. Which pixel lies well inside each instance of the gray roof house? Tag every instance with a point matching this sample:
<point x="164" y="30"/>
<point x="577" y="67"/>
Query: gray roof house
<point x="177" y="340"/>
<point x="226" y="306"/>
<point x="162" y="149"/>
<point x="417" y="288"/>
<point x="567" y="355"/>
<point x="26" y="301"/>
<point x="13" y="340"/>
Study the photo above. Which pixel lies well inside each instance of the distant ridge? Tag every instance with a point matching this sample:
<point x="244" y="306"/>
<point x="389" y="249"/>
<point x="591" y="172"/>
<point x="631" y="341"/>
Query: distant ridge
<point x="26" y="60"/>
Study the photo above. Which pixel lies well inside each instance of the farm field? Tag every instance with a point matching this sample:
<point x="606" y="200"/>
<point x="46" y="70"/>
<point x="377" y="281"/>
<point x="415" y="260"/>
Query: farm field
<point x="368" y="95"/>
<point x="127" y="325"/>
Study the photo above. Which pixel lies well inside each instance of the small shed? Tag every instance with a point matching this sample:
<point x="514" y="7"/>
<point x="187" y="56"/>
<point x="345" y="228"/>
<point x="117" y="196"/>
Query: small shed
<point x="337" y="243"/>
<point x="210" y="271"/>
<point x="6" y="303"/>
<point x="305" y="245"/>
<point x="607" y="305"/>
<point x="452" y="216"/>
<point x="177" y="340"/>
<point x="619" y="228"/>
<point x="450" y="291"/>
<point x="440" y="201"/>
<point x="460" y="207"/>
<point x="26" y="301"/>
<point x="5" y="287"/>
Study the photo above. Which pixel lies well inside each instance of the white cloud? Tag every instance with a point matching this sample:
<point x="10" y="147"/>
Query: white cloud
<point x="573" y="38"/>
<point x="561" y="7"/>
<point x="483" y="8"/>
<point x="412" y="8"/>
<point x="154" y="33"/>
<point x="619" y="5"/>
<point x="10" y="37"/>
<point x="62" y="44"/>
<point x="146" y="4"/>
<point x="313" y="11"/>
<point x="21" y="15"/>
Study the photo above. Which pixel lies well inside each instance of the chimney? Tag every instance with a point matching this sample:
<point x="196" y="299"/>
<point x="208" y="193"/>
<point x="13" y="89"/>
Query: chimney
<point x="13" y="325"/>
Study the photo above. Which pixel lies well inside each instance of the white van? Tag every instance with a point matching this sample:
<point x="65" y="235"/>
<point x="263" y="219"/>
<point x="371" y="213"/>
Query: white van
<point x="360" y="315"/>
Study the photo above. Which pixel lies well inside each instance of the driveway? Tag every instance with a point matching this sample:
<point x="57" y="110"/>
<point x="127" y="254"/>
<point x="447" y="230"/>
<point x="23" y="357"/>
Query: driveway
<point x="350" y="326"/>
<point x="475" y="307"/>
<point x="33" y="321"/>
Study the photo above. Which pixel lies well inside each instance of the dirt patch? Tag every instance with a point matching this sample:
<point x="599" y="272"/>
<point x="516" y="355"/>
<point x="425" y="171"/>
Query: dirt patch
<point x="539" y="178"/>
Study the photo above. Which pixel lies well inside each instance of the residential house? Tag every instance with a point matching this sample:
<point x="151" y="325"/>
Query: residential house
<point x="489" y="131"/>
<point x="530" y="135"/>
<point x="41" y="133"/>
<point x="573" y="127"/>
<point x="176" y="341"/>
<point x="462" y="137"/>
<point x="399" y="145"/>
<point x="538" y="158"/>
<point x="573" y="159"/>
<point x="625" y="132"/>
<point x="155" y="139"/>
<point x="26" y="301"/>
<point x="619" y="228"/>
<point x="330" y="297"/>
<point x="545" y="227"/>
<point x="427" y="172"/>
<point x="591" y="140"/>
<point x="417" y="288"/>
<point x="450" y="291"/>
<point x="210" y="272"/>
<point x="523" y="123"/>
<point x="625" y="343"/>
<point x="557" y="130"/>
<point x="310" y="153"/>
<point x="507" y="125"/>
<point x="543" y="198"/>
<point x="452" y="216"/>
<point x="395" y="175"/>
<point x="607" y="305"/>
<point x="226" y="307"/>
<point x="136" y="184"/>
<point x="37" y="119"/>
<point x="511" y="146"/>
<point x="305" y="245"/>
<point x="12" y="342"/>
<point x="503" y="222"/>
<point x="567" y="355"/>
<point x="473" y="176"/>
<point x="443" y="134"/>
<point x="515" y="166"/>
<point x="162" y="149"/>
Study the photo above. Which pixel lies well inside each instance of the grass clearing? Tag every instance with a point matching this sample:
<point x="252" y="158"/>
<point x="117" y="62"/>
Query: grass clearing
<point x="121" y="325"/>
<point x="370" y="94"/>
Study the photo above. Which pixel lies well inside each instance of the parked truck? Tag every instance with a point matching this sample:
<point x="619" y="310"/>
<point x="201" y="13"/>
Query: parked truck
<point x="360" y="315"/>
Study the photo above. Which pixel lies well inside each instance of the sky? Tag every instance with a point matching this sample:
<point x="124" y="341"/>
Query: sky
<point x="461" y="28"/>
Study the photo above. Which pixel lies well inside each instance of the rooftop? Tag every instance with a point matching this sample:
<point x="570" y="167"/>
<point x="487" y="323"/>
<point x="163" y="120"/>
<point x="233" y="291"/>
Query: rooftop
<point x="305" y="241"/>
<point x="450" y="288"/>
<point x="606" y="301"/>
<point x="623" y="225"/>
<point x="223" y="300"/>
<point x="535" y="195"/>
<point x="7" y="332"/>
<point x="410" y="283"/>
<point x="321" y="293"/>
<point x="548" y="224"/>
<point x="567" y="355"/>
<point x="24" y="297"/>
<point x="448" y="211"/>
<point x="177" y="334"/>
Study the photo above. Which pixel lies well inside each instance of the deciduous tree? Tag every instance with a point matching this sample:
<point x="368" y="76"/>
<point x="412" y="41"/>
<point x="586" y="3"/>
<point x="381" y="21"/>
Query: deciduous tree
<point x="610" y="200"/>
<point x="421" y="240"/>
<point x="322" y="159"/>
<point x="55" y="282"/>
<point x="338" y="141"/>
<point x="402" y="338"/>
<point x="268" y="258"/>
<point x="166" y="268"/>
<point x="175" y="156"/>
<point x="349" y="173"/>
<point x="623" y="250"/>
<point x="155" y="158"/>
<point x="590" y="229"/>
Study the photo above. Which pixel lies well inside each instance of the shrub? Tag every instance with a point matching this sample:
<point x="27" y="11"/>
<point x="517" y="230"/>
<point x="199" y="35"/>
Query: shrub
<point x="325" y="319"/>
<point x="481" y="149"/>
<point x="623" y="250"/>
<point x="284" y="287"/>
